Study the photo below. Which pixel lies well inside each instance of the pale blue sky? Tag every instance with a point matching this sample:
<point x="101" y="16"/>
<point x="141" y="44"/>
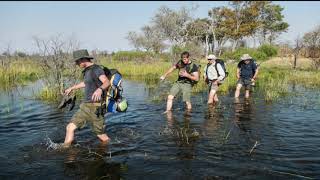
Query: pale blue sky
<point x="104" y="25"/>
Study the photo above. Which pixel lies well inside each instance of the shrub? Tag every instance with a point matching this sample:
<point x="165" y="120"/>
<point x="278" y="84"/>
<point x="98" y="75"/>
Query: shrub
<point x="269" y="50"/>
<point x="139" y="56"/>
<point x="132" y="56"/>
<point x="262" y="53"/>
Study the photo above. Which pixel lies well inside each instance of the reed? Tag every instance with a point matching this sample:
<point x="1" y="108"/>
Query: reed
<point x="274" y="79"/>
<point x="19" y="72"/>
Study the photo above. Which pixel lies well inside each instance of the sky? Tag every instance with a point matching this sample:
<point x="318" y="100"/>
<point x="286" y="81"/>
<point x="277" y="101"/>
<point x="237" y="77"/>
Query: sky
<point x="105" y="25"/>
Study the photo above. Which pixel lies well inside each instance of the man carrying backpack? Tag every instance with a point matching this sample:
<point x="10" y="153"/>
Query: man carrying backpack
<point x="247" y="72"/>
<point x="214" y="75"/>
<point x="95" y="84"/>
<point x="188" y="75"/>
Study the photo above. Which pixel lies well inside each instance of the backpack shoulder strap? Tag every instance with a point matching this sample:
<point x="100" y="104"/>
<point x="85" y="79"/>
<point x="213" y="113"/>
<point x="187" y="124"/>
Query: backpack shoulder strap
<point x="206" y="70"/>
<point x="216" y="67"/>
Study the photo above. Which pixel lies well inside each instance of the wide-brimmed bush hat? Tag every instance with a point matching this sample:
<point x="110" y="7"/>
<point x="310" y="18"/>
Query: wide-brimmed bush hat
<point x="245" y="57"/>
<point x="81" y="54"/>
<point x="211" y="57"/>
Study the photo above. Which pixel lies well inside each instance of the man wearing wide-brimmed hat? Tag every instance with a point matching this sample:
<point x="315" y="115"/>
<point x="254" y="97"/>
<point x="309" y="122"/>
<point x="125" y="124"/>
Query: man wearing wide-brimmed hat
<point x="95" y="83"/>
<point x="247" y="72"/>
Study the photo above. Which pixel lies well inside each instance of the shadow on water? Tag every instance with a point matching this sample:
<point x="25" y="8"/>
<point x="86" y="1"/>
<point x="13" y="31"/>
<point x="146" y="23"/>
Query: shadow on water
<point x="245" y="139"/>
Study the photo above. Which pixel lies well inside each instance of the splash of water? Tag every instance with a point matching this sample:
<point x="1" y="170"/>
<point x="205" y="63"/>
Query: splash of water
<point x="52" y="145"/>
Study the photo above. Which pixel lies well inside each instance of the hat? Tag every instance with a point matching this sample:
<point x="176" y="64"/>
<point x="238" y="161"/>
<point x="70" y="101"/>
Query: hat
<point x="245" y="57"/>
<point x="80" y="54"/>
<point x="211" y="56"/>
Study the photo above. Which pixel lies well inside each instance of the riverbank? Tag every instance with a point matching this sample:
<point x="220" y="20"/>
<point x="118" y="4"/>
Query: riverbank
<point x="274" y="76"/>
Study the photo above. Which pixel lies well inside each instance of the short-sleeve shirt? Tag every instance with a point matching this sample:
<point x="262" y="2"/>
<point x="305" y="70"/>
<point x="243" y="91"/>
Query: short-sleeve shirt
<point x="247" y="70"/>
<point x="190" y="68"/>
<point x="91" y="80"/>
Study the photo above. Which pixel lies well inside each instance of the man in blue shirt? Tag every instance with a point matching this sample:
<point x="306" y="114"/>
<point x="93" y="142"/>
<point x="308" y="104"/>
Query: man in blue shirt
<point x="247" y="72"/>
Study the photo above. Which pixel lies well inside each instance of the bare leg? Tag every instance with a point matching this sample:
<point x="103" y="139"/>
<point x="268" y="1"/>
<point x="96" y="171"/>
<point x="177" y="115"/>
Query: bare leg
<point x="212" y="94"/>
<point x="247" y="94"/>
<point x="69" y="134"/>
<point x="216" y="98"/>
<point x="237" y="93"/>
<point x="170" y="118"/>
<point x="103" y="137"/>
<point x="189" y="107"/>
<point x="169" y="102"/>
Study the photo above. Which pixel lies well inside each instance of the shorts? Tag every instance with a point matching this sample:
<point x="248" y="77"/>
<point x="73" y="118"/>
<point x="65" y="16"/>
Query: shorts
<point x="87" y="114"/>
<point x="185" y="88"/>
<point x="213" y="86"/>
<point x="245" y="82"/>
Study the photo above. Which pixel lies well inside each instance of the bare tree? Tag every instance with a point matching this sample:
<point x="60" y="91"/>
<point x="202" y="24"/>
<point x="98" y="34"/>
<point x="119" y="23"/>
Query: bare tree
<point x="312" y="43"/>
<point x="55" y="58"/>
<point x="6" y="57"/>
<point x="298" y="46"/>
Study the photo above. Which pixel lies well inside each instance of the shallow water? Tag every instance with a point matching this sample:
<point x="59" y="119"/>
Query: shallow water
<point x="238" y="140"/>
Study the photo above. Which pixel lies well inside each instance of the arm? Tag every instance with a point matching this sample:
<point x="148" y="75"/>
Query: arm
<point x="255" y="74"/>
<point x="221" y="73"/>
<point x="96" y="96"/>
<point x="168" y="72"/>
<point x="193" y="76"/>
<point x="238" y="73"/>
<point x="75" y="87"/>
<point x="205" y="74"/>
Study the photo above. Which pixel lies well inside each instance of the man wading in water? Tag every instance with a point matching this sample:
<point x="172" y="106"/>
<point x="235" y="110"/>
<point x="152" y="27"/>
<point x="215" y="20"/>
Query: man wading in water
<point x="188" y="75"/>
<point x="91" y="111"/>
<point x="247" y="72"/>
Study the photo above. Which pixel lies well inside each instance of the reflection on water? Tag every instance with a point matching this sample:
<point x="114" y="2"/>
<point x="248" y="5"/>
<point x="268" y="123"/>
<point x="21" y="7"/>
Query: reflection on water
<point x="244" y="139"/>
<point x="184" y="136"/>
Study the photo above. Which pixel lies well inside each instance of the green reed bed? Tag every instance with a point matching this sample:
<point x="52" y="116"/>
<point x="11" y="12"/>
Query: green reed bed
<point x="274" y="82"/>
<point x="18" y="72"/>
<point x="148" y="72"/>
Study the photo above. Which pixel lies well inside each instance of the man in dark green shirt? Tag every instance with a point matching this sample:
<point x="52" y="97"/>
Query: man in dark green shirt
<point x="188" y="74"/>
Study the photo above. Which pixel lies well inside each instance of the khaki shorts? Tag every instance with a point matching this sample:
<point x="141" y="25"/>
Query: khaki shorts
<point x="87" y="114"/>
<point x="245" y="82"/>
<point x="213" y="86"/>
<point x="185" y="88"/>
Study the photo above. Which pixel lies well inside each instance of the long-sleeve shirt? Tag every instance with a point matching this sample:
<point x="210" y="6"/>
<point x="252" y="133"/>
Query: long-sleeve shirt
<point x="211" y="73"/>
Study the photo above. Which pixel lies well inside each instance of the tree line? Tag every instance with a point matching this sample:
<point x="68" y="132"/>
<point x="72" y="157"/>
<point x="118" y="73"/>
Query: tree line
<point x="230" y="24"/>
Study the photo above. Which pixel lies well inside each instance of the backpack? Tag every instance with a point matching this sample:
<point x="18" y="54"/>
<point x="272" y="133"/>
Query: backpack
<point x="221" y="62"/>
<point x="114" y="99"/>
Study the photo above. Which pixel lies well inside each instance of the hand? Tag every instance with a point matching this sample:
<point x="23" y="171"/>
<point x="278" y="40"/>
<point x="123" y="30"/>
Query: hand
<point x="206" y="80"/>
<point x="253" y="80"/>
<point x="162" y="78"/>
<point x="67" y="91"/>
<point x="183" y="73"/>
<point x="216" y="82"/>
<point x="96" y="96"/>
